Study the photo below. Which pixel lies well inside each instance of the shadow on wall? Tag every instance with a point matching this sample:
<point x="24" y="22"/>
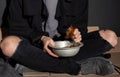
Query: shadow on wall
<point x="105" y="13"/>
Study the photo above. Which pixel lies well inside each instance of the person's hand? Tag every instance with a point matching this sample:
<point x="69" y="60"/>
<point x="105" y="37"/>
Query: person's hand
<point x="74" y="34"/>
<point x="48" y="42"/>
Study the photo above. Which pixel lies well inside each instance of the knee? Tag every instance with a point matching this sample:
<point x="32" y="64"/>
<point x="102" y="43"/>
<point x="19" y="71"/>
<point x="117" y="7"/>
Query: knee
<point x="109" y="36"/>
<point x="9" y="45"/>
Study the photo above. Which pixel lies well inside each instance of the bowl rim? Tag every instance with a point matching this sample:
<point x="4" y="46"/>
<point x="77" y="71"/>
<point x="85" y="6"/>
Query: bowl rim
<point x="81" y="44"/>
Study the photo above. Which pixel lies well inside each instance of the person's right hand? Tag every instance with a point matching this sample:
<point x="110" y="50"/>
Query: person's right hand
<point x="48" y="42"/>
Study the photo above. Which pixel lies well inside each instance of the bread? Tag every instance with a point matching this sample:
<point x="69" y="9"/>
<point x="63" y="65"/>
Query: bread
<point x="70" y="31"/>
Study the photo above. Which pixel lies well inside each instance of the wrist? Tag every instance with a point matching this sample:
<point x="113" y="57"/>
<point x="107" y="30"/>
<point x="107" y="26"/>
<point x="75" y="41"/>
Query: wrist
<point x="42" y="38"/>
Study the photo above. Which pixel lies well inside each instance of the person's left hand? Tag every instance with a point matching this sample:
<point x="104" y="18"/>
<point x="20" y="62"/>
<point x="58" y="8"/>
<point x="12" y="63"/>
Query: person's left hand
<point x="76" y="35"/>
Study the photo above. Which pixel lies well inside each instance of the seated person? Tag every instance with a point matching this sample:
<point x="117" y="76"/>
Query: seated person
<point x="28" y="42"/>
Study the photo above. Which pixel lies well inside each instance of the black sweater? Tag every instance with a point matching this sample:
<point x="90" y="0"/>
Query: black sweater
<point x="25" y="17"/>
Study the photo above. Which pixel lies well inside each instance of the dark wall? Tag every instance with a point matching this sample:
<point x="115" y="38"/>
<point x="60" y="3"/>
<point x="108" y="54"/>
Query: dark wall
<point x="105" y="13"/>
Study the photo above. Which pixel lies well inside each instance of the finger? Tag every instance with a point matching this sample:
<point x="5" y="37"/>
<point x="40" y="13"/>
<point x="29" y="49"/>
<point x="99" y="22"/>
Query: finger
<point x="77" y="36"/>
<point x="78" y="39"/>
<point x="76" y="31"/>
<point x="51" y="53"/>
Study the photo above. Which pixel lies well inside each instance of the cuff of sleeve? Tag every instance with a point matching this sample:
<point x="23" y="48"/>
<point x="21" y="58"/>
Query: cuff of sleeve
<point x="37" y="39"/>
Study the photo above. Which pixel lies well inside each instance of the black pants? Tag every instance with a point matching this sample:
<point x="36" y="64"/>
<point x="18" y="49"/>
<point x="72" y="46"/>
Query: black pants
<point x="35" y="58"/>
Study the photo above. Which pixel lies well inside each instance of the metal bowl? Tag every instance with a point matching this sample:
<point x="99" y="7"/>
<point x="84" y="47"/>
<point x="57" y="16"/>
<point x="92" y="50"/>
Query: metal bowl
<point x="66" y="48"/>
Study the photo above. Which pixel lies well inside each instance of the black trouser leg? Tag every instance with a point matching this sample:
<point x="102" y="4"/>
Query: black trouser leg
<point x="37" y="59"/>
<point x="94" y="46"/>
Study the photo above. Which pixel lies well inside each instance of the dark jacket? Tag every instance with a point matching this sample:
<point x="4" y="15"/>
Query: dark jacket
<point x="25" y="17"/>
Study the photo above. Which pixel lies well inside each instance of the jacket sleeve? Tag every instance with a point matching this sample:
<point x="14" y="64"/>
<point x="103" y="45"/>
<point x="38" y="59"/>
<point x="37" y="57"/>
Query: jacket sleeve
<point x="25" y="24"/>
<point x="81" y="20"/>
